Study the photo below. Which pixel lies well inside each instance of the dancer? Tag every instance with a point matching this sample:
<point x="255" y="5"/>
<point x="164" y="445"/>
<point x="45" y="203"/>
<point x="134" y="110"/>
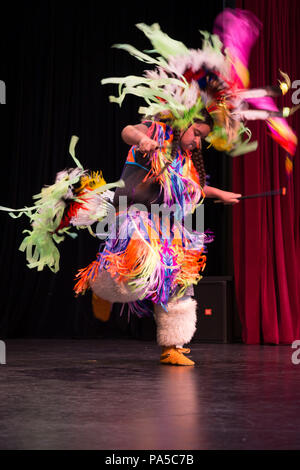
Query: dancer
<point x="176" y="323"/>
<point x="190" y="95"/>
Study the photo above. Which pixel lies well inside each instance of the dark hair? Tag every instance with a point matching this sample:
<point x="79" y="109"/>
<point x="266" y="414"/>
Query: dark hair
<point x="197" y="157"/>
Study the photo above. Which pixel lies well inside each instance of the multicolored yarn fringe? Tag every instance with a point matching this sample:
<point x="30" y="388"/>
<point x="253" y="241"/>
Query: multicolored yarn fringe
<point x="145" y="255"/>
<point x="155" y="253"/>
<point x="180" y="180"/>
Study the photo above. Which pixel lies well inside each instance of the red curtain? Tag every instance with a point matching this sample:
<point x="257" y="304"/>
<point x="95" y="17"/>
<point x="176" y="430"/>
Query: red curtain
<point x="266" y="236"/>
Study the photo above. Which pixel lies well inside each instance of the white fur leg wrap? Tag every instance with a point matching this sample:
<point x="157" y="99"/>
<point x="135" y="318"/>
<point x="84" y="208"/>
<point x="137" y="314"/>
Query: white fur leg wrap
<point x="178" y="324"/>
<point x="107" y="288"/>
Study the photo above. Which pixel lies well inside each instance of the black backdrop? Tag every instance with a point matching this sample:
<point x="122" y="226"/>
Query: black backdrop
<point x="53" y="55"/>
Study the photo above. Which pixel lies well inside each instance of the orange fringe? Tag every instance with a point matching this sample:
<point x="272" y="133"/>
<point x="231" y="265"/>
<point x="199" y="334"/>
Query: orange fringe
<point x="84" y="276"/>
<point x="193" y="263"/>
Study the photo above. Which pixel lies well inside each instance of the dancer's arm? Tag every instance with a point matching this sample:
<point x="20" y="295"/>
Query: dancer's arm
<point x="137" y="135"/>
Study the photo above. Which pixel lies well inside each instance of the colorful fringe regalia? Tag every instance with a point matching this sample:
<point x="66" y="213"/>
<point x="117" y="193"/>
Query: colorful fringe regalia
<point x="156" y="257"/>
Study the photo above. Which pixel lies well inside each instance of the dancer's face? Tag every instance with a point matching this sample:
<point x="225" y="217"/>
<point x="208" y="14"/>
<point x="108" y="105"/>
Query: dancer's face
<point x="191" y="138"/>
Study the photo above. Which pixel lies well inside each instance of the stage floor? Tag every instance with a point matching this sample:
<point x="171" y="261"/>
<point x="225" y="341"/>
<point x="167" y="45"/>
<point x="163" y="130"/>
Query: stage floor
<point x="114" y="394"/>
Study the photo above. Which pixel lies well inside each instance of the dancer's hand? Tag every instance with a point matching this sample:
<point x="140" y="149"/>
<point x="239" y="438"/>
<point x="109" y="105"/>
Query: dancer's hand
<point x="228" y="198"/>
<point x="147" y="145"/>
<point x="221" y="196"/>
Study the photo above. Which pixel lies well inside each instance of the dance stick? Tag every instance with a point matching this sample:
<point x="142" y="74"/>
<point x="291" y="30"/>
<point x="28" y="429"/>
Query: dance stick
<point x="281" y="191"/>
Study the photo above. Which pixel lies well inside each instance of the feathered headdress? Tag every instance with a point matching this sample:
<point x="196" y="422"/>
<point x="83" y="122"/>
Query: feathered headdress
<point x="185" y="81"/>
